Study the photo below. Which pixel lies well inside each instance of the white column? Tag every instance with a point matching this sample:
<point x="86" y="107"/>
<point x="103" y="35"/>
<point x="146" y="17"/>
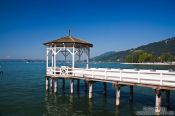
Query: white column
<point x="71" y="86"/>
<point x="50" y="82"/>
<point x="88" y="56"/>
<point x="55" y="60"/>
<point x="47" y="83"/>
<point x="47" y="52"/>
<point x="158" y="101"/>
<point x="73" y="57"/>
<point x="52" y="61"/>
<point x="65" y="57"/>
<point x="118" y="96"/>
<point x="55" y="85"/>
<point x="52" y="57"/>
<point x="90" y="89"/>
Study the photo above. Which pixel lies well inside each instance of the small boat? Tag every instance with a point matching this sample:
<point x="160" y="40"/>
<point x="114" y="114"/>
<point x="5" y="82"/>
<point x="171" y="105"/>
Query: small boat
<point x="26" y="61"/>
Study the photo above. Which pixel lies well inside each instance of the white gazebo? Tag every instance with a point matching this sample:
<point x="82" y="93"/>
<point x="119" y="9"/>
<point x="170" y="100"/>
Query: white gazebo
<point x="68" y="45"/>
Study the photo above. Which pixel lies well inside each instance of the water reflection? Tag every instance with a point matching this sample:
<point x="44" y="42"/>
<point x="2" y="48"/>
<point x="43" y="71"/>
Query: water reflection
<point x="117" y="111"/>
<point x="57" y="105"/>
<point x="66" y="105"/>
<point x="71" y="99"/>
<point x="90" y="105"/>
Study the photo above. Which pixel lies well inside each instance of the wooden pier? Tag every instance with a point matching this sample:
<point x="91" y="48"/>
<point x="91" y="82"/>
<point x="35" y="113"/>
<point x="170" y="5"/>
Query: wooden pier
<point x="159" y="80"/>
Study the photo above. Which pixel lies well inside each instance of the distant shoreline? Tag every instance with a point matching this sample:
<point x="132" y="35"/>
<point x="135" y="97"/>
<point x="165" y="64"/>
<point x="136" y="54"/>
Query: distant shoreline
<point x="149" y="63"/>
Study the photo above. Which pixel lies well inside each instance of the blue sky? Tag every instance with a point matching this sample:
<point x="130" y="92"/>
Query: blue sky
<point x="111" y="25"/>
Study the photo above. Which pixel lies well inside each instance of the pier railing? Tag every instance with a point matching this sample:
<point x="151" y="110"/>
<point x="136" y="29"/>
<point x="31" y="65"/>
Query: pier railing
<point x="153" y="77"/>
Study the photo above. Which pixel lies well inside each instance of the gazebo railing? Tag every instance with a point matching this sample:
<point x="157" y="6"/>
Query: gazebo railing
<point x="63" y="70"/>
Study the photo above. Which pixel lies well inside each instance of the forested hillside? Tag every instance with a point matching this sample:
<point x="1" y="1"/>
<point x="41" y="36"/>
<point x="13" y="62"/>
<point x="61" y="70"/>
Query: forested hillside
<point x="162" y="51"/>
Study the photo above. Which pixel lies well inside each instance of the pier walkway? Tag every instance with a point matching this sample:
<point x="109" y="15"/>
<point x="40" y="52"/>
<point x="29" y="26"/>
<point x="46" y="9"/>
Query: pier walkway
<point x="163" y="79"/>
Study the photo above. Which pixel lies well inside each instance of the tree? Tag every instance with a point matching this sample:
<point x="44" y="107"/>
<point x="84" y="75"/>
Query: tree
<point x="133" y="56"/>
<point x="166" y="57"/>
<point x="146" y="57"/>
<point x="129" y="58"/>
<point x="140" y="56"/>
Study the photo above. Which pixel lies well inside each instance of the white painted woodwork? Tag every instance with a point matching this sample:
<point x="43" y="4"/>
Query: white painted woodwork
<point x="55" y="85"/>
<point x="47" y="83"/>
<point x="90" y="89"/>
<point x="158" y="101"/>
<point x="71" y="86"/>
<point x="117" y="96"/>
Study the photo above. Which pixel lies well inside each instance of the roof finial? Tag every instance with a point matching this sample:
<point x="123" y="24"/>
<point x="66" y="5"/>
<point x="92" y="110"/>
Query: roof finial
<point x="69" y="33"/>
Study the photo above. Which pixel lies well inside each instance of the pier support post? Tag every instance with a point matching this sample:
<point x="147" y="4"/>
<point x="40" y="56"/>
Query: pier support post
<point x="168" y="99"/>
<point x="104" y="88"/>
<point x="117" y="95"/>
<point x="51" y="83"/>
<point x="131" y="94"/>
<point x="85" y="85"/>
<point x="71" y="86"/>
<point x="78" y="85"/>
<point x="55" y="85"/>
<point x="158" y="101"/>
<point x="90" y="89"/>
<point x="47" y="83"/>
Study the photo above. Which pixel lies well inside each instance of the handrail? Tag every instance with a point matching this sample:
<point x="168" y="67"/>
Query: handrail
<point x="157" y="77"/>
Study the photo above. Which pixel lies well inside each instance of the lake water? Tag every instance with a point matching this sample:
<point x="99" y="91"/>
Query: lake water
<point x="22" y="93"/>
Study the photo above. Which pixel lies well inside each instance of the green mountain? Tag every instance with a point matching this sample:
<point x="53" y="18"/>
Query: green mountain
<point x="156" y="49"/>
